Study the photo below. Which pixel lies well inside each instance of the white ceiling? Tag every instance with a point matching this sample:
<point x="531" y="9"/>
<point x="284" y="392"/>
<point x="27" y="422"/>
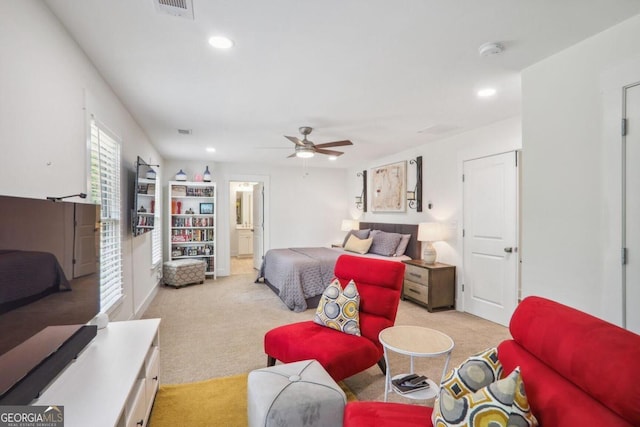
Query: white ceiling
<point x="388" y="75"/>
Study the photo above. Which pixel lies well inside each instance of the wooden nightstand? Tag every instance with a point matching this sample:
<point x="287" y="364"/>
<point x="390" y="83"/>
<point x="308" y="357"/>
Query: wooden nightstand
<point x="431" y="285"/>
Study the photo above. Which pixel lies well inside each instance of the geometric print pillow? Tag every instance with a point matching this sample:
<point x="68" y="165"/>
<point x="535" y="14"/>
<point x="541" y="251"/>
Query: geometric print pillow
<point x="502" y="403"/>
<point x="339" y="308"/>
<point x="476" y="372"/>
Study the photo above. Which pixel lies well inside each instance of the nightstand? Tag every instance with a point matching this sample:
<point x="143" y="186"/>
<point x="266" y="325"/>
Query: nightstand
<point x="430" y="285"/>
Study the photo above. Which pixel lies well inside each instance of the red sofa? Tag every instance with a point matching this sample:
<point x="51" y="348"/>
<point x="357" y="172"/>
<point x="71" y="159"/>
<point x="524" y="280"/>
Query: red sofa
<point x="578" y="370"/>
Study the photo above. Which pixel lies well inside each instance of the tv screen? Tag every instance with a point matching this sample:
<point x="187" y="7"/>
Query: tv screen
<point x="49" y="266"/>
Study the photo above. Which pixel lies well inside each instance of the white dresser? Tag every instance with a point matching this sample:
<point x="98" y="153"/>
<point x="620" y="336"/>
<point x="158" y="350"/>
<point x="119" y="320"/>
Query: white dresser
<point x="113" y="382"/>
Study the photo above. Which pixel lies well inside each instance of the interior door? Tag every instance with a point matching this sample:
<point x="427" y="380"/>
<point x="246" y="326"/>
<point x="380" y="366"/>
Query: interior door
<point x="258" y="225"/>
<point x="84" y="246"/>
<point x="631" y="239"/>
<point x="490" y="257"/>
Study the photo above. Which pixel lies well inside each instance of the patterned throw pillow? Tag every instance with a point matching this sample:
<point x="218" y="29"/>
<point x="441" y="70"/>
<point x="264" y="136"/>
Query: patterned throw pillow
<point x="502" y="403"/>
<point x="339" y="308"/>
<point x="384" y="243"/>
<point x="476" y="372"/>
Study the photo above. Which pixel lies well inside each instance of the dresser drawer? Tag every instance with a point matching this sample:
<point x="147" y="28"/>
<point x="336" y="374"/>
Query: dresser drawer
<point x="416" y="274"/>
<point x="416" y="291"/>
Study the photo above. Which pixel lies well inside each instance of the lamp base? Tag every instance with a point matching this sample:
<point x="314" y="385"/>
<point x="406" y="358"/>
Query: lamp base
<point x="429" y="254"/>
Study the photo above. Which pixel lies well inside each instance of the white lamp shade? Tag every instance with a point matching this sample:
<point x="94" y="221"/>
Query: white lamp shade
<point x="430" y="232"/>
<point x="349" y="224"/>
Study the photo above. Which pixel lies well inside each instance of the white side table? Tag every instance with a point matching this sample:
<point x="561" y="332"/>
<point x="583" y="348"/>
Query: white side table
<point x="415" y="341"/>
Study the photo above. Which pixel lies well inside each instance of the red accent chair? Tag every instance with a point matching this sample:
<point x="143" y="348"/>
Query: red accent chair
<point x="379" y="283"/>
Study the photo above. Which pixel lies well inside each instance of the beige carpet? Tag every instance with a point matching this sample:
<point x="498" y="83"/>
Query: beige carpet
<point x="216" y="330"/>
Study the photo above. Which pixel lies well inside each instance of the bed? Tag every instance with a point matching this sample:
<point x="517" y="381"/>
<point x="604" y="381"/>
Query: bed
<point x="26" y="276"/>
<point x="300" y="275"/>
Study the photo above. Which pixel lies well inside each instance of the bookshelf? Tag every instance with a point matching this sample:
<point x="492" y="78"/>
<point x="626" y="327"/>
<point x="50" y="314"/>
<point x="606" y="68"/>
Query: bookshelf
<point x="192" y="222"/>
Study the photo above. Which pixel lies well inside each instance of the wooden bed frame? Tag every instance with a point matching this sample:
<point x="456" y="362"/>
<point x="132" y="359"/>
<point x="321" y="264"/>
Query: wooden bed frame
<point x="413" y="249"/>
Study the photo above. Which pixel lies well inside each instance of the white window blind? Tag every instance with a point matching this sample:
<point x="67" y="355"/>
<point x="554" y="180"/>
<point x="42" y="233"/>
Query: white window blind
<point x="105" y="188"/>
<point x="156" y="234"/>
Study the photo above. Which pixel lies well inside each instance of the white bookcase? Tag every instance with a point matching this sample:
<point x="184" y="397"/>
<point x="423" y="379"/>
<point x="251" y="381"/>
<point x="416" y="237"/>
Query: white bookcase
<point x="192" y="222"/>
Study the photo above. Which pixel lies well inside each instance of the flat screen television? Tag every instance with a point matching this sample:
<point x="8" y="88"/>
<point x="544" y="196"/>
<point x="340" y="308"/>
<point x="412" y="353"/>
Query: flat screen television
<point x="49" y="267"/>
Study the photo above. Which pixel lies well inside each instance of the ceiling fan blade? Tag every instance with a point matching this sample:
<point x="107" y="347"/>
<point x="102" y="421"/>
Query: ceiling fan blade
<point x="329" y="152"/>
<point x="334" y="144"/>
<point x="293" y="155"/>
<point x="294" y="140"/>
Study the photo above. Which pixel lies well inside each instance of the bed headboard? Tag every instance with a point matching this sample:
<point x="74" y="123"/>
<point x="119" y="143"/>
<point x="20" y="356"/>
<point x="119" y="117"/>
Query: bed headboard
<point x="413" y="250"/>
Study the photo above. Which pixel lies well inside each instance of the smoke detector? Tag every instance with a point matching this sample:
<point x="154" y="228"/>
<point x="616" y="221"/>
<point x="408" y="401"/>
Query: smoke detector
<point x="490" y="49"/>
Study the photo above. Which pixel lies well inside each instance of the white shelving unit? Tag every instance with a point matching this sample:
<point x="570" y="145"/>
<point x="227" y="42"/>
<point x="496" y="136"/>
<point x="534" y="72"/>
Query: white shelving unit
<point x="192" y="222"/>
<point x="144" y="214"/>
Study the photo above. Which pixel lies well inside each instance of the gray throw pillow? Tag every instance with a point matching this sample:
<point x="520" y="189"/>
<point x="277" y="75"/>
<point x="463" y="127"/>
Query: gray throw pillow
<point x="360" y="234"/>
<point x="402" y="246"/>
<point x="384" y="243"/>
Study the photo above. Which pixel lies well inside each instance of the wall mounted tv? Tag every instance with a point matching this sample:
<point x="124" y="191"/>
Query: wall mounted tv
<point x="49" y="268"/>
<point x="144" y="199"/>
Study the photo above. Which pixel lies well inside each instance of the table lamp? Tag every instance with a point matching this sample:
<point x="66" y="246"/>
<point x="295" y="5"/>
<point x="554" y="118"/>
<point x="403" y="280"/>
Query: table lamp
<point x="429" y="232"/>
<point x="349" y="224"/>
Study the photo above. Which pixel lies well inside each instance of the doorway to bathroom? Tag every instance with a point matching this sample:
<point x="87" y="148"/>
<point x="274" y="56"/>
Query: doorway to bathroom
<point x="244" y="225"/>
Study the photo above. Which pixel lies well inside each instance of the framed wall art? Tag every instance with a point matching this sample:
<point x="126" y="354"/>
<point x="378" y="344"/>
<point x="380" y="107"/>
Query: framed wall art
<point x="389" y="192"/>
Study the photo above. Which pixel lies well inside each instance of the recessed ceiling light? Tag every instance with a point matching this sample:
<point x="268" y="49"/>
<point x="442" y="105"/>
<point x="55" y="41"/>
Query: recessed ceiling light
<point x="210" y="149"/>
<point x="486" y="92"/>
<point x="221" y="42"/>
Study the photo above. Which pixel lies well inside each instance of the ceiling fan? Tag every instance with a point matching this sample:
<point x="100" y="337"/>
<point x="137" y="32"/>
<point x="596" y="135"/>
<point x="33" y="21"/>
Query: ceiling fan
<point x="306" y="149"/>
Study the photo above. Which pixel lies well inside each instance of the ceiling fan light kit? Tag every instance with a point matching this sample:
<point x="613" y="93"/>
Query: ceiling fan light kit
<point x="306" y="149"/>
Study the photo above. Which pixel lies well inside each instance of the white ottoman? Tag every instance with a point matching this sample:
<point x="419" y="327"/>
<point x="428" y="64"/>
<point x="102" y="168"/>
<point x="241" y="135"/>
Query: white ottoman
<point x="294" y="394"/>
<point x="181" y="272"/>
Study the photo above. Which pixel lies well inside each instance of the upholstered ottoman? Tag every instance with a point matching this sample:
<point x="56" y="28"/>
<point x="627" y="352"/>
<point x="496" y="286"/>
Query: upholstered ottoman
<point x="181" y="272"/>
<point x="294" y="394"/>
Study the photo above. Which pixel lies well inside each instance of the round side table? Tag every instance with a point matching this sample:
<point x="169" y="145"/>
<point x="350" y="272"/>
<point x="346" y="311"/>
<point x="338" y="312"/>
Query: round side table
<point x="415" y="341"/>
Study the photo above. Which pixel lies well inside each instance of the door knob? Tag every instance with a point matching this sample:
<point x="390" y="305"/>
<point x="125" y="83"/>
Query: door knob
<point x="508" y="250"/>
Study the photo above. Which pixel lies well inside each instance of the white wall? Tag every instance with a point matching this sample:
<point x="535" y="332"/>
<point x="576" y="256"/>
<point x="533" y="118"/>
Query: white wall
<point x="304" y="206"/>
<point x="442" y="182"/>
<point x="571" y="174"/>
<point x="46" y="83"/>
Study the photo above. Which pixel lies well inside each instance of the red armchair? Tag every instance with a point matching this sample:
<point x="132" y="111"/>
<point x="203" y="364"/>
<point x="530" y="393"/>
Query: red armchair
<point x="379" y="283"/>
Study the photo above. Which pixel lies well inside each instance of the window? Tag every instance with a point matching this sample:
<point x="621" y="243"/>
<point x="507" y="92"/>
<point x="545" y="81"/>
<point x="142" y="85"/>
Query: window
<point x="105" y="190"/>
<point x="156" y="234"/>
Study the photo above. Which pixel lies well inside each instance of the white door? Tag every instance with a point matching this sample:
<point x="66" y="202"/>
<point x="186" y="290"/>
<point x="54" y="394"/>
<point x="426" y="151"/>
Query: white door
<point x="490" y="262"/>
<point x="632" y="209"/>
<point x="84" y="244"/>
<point x="258" y="225"/>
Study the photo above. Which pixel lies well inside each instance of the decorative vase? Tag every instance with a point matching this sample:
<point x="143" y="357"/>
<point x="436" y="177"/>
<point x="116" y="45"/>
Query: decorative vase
<point x="207" y="175"/>
<point x="181" y="176"/>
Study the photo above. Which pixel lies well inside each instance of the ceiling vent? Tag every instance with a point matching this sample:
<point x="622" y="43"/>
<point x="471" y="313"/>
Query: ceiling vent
<point x="181" y="8"/>
<point x="185" y="131"/>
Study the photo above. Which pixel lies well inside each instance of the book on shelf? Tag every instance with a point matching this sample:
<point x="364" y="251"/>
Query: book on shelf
<point x="410" y="383"/>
